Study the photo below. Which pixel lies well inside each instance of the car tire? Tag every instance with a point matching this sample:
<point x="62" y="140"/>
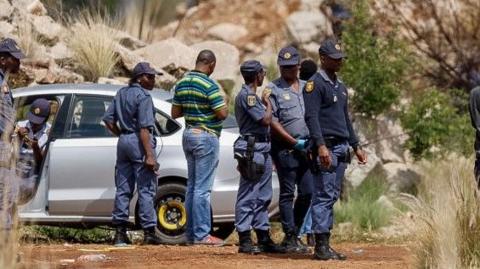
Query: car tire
<point x="171" y="213"/>
<point x="223" y="230"/>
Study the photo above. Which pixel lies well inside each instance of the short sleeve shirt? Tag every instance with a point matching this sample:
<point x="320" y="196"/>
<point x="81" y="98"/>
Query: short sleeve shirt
<point x="249" y="111"/>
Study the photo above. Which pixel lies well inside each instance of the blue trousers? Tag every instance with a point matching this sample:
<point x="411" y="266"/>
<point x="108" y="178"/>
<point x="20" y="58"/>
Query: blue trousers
<point x="130" y="170"/>
<point x="201" y="150"/>
<point x="293" y="173"/>
<point x="327" y="187"/>
<point x="254" y="196"/>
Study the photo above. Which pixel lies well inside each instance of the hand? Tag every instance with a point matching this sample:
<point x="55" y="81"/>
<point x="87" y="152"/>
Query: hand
<point x="22" y="132"/>
<point x="324" y="155"/>
<point x="300" y="144"/>
<point x="361" y="156"/>
<point x="266" y="98"/>
<point x="151" y="163"/>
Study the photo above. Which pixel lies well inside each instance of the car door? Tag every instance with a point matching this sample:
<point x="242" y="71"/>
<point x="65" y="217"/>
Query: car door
<point x="82" y="162"/>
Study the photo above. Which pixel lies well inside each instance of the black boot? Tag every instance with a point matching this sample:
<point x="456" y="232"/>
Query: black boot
<point x="246" y="244"/>
<point x="323" y="251"/>
<point x="291" y="245"/>
<point x="150" y="238"/>
<point x="121" y="238"/>
<point x="265" y="243"/>
<point x="310" y="240"/>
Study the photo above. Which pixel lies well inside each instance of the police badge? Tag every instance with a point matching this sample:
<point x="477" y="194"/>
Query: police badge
<point x="251" y="100"/>
<point x="309" y="87"/>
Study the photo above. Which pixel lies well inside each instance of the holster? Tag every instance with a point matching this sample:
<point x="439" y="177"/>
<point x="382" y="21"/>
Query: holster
<point x="311" y="155"/>
<point x="248" y="168"/>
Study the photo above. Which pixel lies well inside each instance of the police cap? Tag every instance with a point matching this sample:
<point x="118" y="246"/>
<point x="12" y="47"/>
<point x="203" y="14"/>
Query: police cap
<point x="10" y="46"/>
<point x="288" y="56"/>
<point x="251" y="66"/>
<point x="331" y="48"/>
<point x="144" y="68"/>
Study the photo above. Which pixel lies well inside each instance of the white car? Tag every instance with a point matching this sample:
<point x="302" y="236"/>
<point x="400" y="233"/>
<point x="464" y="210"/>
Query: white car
<point x="76" y="185"/>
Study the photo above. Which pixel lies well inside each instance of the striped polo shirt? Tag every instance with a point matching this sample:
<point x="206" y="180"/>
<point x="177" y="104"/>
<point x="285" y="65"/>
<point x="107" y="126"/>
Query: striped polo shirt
<point x="199" y="97"/>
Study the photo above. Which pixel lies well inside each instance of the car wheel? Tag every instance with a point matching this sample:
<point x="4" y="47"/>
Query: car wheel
<point x="171" y="213"/>
<point x="223" y="230"/>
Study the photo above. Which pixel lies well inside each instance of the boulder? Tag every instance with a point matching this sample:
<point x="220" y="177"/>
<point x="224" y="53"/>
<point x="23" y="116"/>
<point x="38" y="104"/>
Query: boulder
<point x="60" y="52"/>
<point x="128" y="41"/>
<point x="6" y="29"/>
<point x="113" y="81"/>
<point x="37" y="8"/>
<point x="6" y="10"/>
<point x="401" y="177"/>
<point x="228" y="32"/>
<point x="48" y="30"/>
<point x="128" y="59"/>
<point x="168" y="53"/>
<point x="227" y="61"/>
<point x="391" y="139"/>
<point x="306" y="26"/>
<point x="56" y="75"/>
<point x="356" y="173"/>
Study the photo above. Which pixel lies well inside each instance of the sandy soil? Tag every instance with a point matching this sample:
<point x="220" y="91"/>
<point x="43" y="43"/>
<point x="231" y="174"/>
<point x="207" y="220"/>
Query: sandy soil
<point x="368" y="256"/>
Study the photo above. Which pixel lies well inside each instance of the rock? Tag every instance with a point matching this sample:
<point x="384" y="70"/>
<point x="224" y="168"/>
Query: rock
<point x="104" y="80"/>
<point x="345" y="228"/>
<point x="356" y="173"/>
<point x="386" y="203"/>
<point x="227" y="61"/>
<point x="92" y="258"/>
<point x="306" y="26"/>
<point x="165" y="81"/>
<point x="37" y="8"/>
<point x="56" y="75"/>
<point x="60" y="52"/>
<point x="228" y="32"/>
<point x="311" y="4"/>
<point x="169" y="53"/>
<point x="128" y="59"/>
<point x="6" y="29"/>
<point x="128" y="41"/>
<point x="6" y="10"/>
<point x="310" y="49"/>
<point x="48" y="30"/>
<point x="401" y="177"/>
<point x="391" y="139"/>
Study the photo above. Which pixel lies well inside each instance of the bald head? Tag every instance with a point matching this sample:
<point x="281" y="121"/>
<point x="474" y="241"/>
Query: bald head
<point x="206" y="61"/>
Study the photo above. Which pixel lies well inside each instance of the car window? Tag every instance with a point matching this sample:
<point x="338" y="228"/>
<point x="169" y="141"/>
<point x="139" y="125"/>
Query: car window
<point x="86" y="117"/>
<point x="23" y="106"/>
<point x="165" y="125"/>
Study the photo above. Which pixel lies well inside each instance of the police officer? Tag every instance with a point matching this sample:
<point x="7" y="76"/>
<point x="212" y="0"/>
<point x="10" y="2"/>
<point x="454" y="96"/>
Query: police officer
<point x="290" y="134"/>
<point x="326" y="105"/>
<point x="132" y="108"/>
<point x="10" y="56"/>
<point x="33" y="136"/>
<point x="254" y="116"/>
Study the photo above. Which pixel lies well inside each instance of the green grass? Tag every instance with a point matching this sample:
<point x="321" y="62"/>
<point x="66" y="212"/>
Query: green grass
<point x="50" y="234"/>
<point x="361" y="207"/>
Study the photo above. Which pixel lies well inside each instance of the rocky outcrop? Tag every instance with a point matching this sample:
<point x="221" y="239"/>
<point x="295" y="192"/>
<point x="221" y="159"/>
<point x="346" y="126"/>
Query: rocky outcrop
<point x="168" y="53"/>
<point x="307" y="26"/>
<point x="227" y="32"/>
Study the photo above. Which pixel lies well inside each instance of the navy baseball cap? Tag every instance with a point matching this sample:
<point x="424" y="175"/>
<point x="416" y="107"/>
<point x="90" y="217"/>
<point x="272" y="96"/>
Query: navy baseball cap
<point x="9" y="45"/>
<point x="144" y="68"/>
<point x="332" y="49"/>
<point x="251" y="66"/>
<point x="288" y="56"/>
<point x="39" y="111"/>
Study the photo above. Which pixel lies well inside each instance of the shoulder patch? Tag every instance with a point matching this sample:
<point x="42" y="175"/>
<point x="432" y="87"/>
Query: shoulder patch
<point x="251" y="100"/>
<point x="309" y="86"/>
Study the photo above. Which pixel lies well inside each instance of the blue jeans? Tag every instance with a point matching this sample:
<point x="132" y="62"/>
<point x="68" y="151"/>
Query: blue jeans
<point x="307" y="223"/>
<point x="201" y="151"/>
<point x="327" y="187"/>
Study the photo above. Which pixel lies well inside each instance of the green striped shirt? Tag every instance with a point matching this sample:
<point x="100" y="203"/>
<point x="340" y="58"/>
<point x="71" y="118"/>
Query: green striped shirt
<point x="199" y="97"/>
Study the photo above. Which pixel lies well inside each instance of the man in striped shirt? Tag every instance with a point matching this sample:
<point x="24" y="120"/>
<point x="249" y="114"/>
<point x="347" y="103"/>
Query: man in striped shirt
<point x="197" y="98"/>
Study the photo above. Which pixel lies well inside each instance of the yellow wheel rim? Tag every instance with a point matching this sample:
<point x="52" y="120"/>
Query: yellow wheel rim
<point x="163" y="212"/>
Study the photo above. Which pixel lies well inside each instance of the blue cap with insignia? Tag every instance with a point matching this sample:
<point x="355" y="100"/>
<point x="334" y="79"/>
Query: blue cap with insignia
<point x="144" y="68"/>
<point x="10" y="46"/>
<point x="332" y="49"/>
<point x="39" y="111"/>
<point x="288" y="56"/>
<point x="251" y="66"/>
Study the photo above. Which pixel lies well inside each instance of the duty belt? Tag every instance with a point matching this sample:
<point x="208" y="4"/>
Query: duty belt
<point x="258" y="138"/>
<point x="331" y="141"/>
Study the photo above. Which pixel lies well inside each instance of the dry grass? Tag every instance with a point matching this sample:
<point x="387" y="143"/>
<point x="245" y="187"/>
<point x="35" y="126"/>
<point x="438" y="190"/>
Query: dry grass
<point x="448" y="221"/>
<point x="93" y="45"/>
<point x="140" y="18"/>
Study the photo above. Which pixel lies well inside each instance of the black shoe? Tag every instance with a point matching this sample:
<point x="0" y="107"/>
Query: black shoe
<point x="291" y="245"/>
<point x="322" y="248"/>
<point x="265" y="243"/>
<point x="246" y="244"/>
<point x="150" y="238"/>
<point x="121" y="239"/>
<point x="339" y="255"/>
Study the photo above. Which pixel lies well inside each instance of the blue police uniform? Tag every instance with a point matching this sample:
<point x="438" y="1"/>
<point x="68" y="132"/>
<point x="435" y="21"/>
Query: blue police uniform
<point x="253" y="197"/>
<point x="8" y="178"/>
<point x="133" y="109"/>
<point x="326" y="103"/>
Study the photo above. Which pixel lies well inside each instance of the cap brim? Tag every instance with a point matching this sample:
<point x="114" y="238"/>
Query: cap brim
<point x="336" y="56"/>
<point x="35" y="119"/>
<point x="288" y="62"/>
<point x="19" y="55"/>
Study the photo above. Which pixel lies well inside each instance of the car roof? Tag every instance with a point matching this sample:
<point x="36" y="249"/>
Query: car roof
<point x="84" y="88"/>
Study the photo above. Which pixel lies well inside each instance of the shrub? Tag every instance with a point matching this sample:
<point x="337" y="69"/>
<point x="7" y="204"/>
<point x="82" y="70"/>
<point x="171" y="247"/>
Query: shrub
<point x="60" y="234"/>
<point x="376" y="65"/>
<point x="435" y="126"/>
<point x="93" y="45"/>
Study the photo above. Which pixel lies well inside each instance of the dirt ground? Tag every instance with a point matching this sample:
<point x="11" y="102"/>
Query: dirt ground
<point x="368" y="256"/>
